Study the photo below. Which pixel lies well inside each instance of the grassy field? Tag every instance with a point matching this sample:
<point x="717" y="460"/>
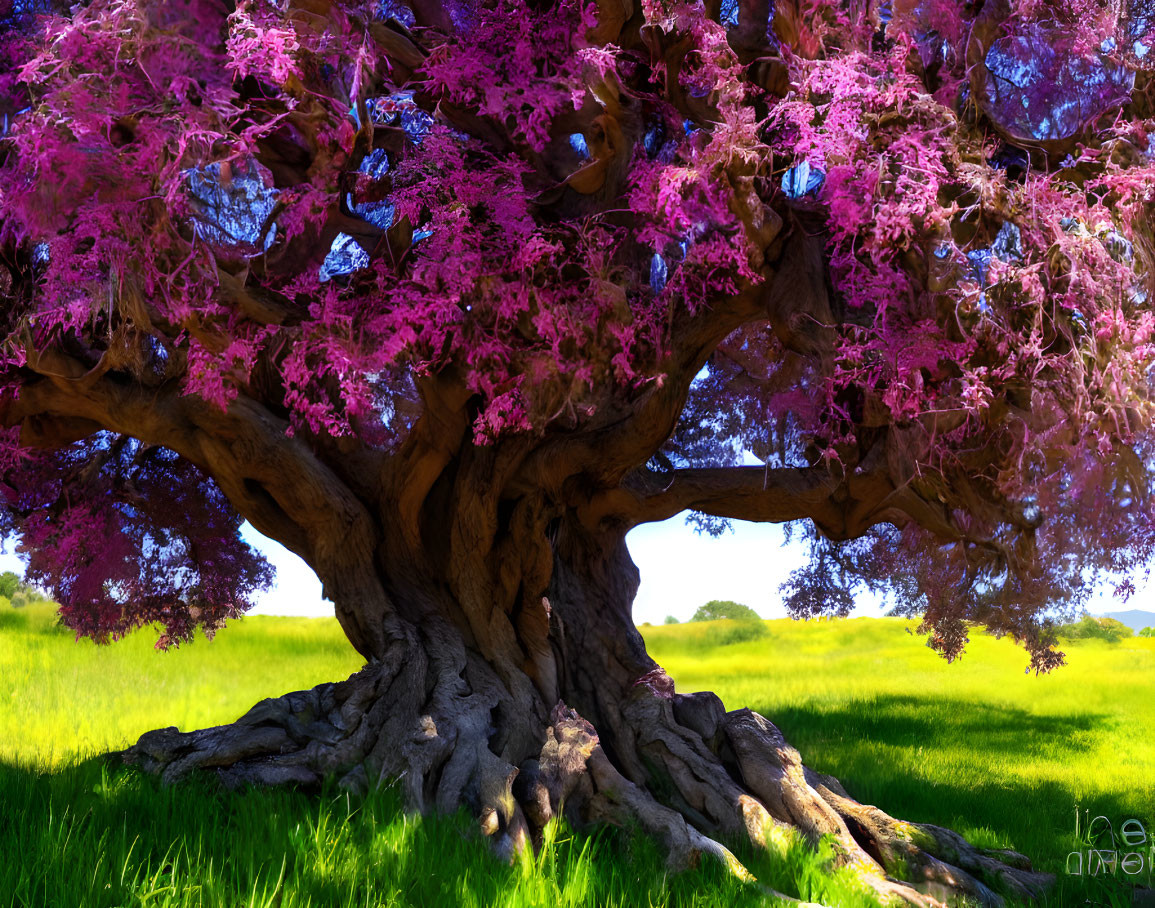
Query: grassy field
<point x="1004" y="757"/>
<point x="62" y="699"/>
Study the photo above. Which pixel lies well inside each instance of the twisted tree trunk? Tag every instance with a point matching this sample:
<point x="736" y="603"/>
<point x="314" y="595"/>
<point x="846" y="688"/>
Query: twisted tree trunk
<point x="489" y="589"/>
<point x="528" y="707"/>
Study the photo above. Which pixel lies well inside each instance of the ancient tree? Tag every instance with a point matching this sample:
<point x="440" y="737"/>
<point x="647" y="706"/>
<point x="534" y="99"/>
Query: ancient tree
<point x="448" y="297"/>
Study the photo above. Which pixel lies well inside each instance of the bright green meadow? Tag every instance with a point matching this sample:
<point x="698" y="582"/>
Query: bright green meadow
<point x="1004" y="757"/>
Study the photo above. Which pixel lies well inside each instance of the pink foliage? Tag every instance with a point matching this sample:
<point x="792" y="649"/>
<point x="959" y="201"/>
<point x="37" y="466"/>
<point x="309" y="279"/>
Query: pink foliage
<point x="536" y="211"/>
<point x="125" y="535"/>
<point x="257" y="45"/>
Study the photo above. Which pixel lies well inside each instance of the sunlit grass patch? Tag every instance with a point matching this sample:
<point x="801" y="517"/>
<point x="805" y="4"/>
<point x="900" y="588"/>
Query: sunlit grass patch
<point x="61" y="698"/>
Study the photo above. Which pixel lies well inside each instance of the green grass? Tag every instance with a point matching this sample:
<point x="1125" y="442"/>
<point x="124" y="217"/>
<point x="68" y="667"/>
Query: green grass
<point x="1001" y="756"/>
<point x="86" y="836"/>
<point x="61" y="699"/>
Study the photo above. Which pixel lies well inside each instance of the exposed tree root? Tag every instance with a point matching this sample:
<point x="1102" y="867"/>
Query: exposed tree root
<point x="894" y="857"/>
<point x="680" y="768"/>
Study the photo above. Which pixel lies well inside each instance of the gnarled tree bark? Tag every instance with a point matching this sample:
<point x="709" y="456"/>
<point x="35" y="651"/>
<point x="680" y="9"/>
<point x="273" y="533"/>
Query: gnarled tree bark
<point x="550" y="706"/>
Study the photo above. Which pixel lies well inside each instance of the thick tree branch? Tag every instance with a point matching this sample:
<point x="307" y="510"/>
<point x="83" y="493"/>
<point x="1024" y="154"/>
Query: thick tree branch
<point x="275" y="481"/>
<point x="744" y="493"/>
<point x="603" y="455"/>
<point x="840" y="508"/>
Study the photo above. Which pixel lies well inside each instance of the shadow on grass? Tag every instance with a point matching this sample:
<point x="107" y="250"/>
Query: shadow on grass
<point x="903" y="720"/>
<point x="903" y="753"/>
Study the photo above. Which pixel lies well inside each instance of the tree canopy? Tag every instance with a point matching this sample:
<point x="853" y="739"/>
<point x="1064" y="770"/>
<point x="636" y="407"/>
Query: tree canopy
<point x="898" y="253"/>
<point x="717" y="609"/>
<point x="1090" y="627"/>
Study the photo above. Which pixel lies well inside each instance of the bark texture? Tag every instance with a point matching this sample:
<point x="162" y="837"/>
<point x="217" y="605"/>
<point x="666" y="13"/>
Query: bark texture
<point x="582" y="724"/>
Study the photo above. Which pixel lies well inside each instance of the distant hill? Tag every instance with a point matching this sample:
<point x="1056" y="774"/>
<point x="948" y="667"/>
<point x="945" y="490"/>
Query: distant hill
<point x="1136" y="619"/>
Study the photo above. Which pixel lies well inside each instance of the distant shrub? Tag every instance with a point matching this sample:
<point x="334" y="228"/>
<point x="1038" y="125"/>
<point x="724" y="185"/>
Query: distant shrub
<point x="26" y="596"/>
<point x="720" y="608"/>
<point x="727" y="632"/>
<point x="1090" y="627"/>
<point x="670" y="619"/>
<point x="18" y="592"/>
<point x="1147" y="632"/>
